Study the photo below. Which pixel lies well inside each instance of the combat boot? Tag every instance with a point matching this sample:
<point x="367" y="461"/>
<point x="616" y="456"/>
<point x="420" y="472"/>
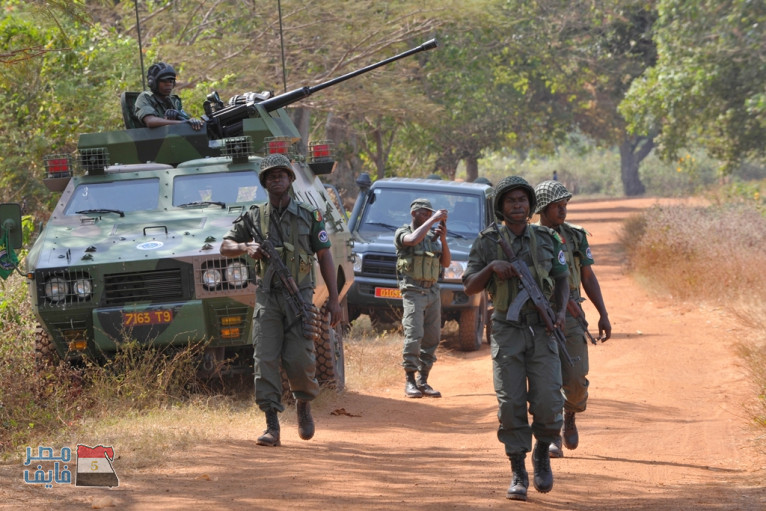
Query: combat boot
<point x="270" y="437"/>
<point x="571" y="437"/>
<point x="542" y="466"/>
<point x="555" y="450"/>
<point x="411" y="388"/>
<point x="305" y="420"/>
<point x="519" y="478"/>
<point x="425" y="388"/>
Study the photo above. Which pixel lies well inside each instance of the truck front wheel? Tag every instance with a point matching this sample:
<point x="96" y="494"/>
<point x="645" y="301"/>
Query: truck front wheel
<point x="472" y="322"/>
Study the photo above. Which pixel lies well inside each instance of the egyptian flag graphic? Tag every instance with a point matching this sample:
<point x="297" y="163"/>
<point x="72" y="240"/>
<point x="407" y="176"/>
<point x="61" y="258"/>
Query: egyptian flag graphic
<point x="94" y="466"/>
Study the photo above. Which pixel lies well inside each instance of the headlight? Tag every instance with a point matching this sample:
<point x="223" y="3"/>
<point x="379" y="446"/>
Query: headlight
<point x="455" y="270"/>
<point x="357" y="258"/>
<point x="211" y="277"/>
<point x="237" y="274"/>
<point x="83" y="288"/>
<point x="56" y="289"/>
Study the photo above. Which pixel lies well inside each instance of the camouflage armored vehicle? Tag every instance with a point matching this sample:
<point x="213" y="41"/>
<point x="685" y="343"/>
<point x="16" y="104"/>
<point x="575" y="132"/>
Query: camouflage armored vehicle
<point x="131" y="250"/>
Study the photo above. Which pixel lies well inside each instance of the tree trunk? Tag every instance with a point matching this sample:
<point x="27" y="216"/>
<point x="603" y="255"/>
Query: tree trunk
<point x="471" y="168"/>
<point x="632" y="152"/>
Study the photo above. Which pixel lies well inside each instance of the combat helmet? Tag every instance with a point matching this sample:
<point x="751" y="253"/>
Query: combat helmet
<point x="507" y="184"/>
<point x="549" y="192"/>
<point x="157" y="72"/>
<point x="275" y="161"/>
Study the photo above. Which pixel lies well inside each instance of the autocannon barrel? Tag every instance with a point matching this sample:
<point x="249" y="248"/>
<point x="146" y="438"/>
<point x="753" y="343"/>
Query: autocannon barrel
<point x="297" y="94"/>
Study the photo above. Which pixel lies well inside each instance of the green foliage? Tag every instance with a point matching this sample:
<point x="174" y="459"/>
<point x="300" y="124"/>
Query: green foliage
<point x="707" y="86"/>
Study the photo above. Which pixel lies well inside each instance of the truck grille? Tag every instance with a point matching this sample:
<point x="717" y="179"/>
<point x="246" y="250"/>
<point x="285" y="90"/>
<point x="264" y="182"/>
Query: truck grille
<point x="155" y="285"/>
<point x="375" y="264"/>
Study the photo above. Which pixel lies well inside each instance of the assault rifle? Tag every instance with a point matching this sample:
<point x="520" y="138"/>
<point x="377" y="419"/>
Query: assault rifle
<point x="530" y="290"/>
<point x="307" y="311"/>
<point x="574" y="310"/>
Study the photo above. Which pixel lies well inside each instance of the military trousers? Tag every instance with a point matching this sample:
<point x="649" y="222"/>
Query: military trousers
<point x="278" y="338"/>
<point x="526" y="369"/>
<point x="422" y="323"/>
<point x="574" y="378"/>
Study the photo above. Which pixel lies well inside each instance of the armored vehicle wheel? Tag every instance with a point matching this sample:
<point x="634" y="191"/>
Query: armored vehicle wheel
<point x="329" y="354"/>
<point x="46" y="355"/>
<point x="472" y="322"/>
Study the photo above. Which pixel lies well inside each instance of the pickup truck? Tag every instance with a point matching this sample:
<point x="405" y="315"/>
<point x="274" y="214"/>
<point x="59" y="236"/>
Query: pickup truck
<point x="384" y="206"/>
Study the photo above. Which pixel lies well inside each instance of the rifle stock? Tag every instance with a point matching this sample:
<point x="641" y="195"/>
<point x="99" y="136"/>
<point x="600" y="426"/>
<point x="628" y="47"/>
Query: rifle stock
<point x="532" y="291"/>
<point x="574" y="310"/>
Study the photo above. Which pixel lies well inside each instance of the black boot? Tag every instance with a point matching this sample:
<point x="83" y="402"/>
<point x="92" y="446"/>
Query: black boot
<point x="542" y="466"/>
<point x="425" y="388"/>
<point x="555" y="450"/>
<point x="305" y="420"/>
<point x="571" y="437"/>
<point x="270" y="437"/>
<point x="519" y="478"/>
<point x="411" y="388"/>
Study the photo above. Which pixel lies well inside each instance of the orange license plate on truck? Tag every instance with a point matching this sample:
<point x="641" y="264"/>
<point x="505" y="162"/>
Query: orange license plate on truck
<point x="387" y="292"/>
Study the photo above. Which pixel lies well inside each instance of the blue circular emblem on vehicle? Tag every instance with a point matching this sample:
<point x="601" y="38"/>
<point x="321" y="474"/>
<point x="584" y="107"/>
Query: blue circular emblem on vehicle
<point x="149" y="245"/>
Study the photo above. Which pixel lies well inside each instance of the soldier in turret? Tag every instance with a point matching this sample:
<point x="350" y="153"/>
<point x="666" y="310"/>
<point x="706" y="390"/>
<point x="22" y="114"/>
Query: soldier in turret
<point x="297" y="230"/>
<point x="159" y="106"/>
<point x="420" y="258"/>
<point x="525" y="358"/>
<point x="552" y="199"/>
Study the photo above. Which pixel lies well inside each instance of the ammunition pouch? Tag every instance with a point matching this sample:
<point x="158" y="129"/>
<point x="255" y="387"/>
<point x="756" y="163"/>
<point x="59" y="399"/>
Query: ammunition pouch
<point x="312" y="323"/>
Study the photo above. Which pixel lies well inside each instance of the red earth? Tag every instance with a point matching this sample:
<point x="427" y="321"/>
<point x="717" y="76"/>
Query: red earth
<point x="666" y="429"/>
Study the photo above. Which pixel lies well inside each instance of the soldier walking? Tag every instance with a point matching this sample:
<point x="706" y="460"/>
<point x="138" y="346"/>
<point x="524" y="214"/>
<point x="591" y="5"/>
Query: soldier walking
<point x="525" y="358"/>
<point x="298" y="232"/>
<point x="552" y="199"/>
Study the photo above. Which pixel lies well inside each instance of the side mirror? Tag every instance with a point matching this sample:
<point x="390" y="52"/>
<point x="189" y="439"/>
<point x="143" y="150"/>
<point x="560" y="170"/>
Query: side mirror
<point x="10" y="222"/>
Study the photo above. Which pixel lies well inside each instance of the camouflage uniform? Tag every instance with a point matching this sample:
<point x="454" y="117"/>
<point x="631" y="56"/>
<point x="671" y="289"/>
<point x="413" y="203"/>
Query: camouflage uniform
<point x="149" y="103"/>
<point x="418" y="267"/>
<point x="277" y="333"/>
<point x="574" y="378"/>
<point x="523" y="352"/>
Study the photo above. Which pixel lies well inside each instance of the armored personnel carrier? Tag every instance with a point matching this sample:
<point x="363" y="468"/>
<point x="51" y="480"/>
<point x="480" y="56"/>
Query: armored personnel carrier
<point x="131" y="250"/>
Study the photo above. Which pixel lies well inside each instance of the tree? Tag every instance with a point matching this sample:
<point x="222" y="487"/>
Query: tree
<point x="707" y="87"/>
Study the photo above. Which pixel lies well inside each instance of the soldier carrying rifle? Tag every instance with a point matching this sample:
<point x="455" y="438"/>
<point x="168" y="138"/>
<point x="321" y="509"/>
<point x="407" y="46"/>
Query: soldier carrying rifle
<point x="514" y="260"/>
<point x="284" y="236"/>
<point x="552" y="199"/>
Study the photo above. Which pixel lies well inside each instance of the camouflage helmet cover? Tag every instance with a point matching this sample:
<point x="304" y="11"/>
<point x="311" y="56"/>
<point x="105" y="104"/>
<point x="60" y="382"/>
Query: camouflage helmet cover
<point x="509" y="183"/>
<point x="275" y="161"/>
<point x="549" y="192"/>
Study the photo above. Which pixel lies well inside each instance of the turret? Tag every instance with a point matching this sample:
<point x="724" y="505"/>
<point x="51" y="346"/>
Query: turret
<point x="261" y="117"/>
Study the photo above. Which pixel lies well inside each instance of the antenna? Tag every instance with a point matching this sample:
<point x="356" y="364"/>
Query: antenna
<point x="282" y="46"/>
<point x="140" y="48"/>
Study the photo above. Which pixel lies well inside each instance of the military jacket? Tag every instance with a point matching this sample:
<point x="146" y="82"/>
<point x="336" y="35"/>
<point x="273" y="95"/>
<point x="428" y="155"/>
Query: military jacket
<point x="297" y="232"/>
<point x="148" y="103"/>
<point x="577" y="253"/>
<point x="421" y="262"/>
<point x="538" y="246"/>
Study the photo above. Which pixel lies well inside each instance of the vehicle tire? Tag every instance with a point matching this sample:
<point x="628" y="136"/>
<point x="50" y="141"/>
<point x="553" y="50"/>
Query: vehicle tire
<point x="329" y="355"/>
<point x="46" y="356"/>
<point x="472" y="322"/>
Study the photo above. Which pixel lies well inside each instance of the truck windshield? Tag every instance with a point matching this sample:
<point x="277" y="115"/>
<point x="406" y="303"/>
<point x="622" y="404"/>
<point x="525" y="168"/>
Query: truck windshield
<point x="124" y="196"/>
<point x="389" y="209"/>
<point x="219" y="187"/>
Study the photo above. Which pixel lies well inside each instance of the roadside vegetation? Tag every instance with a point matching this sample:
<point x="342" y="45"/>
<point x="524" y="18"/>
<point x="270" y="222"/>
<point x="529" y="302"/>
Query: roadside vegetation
<point x="711" y="253"/>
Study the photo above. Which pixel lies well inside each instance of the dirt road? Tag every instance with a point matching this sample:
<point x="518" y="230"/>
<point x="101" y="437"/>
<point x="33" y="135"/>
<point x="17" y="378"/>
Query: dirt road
<point x="665" y="429"/>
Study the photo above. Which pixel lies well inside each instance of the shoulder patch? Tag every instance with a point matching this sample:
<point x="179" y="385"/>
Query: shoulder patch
<point x="317" y="215"/>
<point x="562" y="259"/>
<point x="322" y="236"/>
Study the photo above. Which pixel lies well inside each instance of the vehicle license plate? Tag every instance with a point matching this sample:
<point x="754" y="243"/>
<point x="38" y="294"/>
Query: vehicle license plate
<point x="387" y="292"/>
<point x="147" y="317"/>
